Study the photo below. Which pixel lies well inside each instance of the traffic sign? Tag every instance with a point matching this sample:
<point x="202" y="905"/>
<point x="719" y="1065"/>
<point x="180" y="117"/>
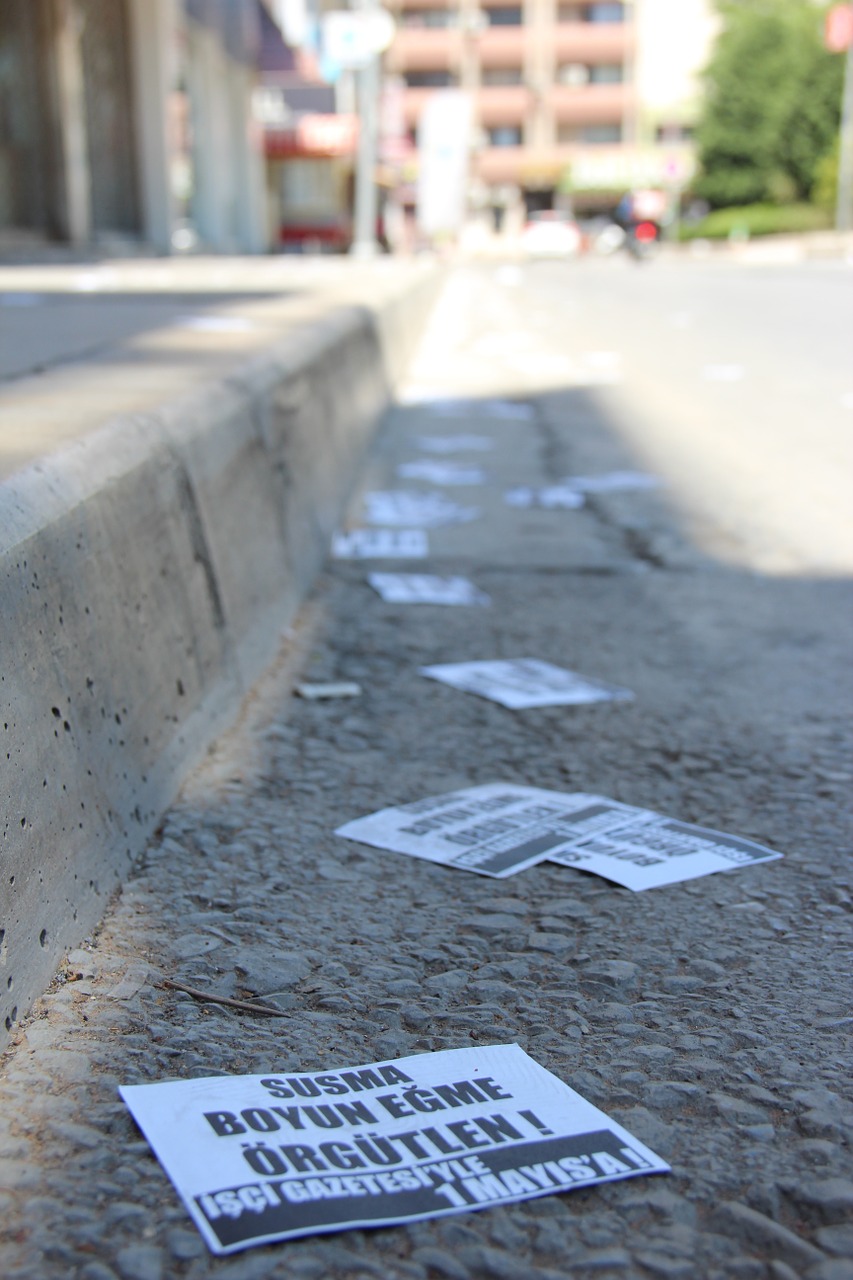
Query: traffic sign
<point x="838" y="33"/>
<point x="352" y="37"/>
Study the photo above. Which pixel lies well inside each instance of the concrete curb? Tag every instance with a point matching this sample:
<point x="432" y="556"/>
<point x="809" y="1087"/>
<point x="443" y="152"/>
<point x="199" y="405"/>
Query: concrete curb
<point x="146" y="574"/>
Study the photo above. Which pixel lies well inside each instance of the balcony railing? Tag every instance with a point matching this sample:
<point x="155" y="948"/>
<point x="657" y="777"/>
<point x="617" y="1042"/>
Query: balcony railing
<point x="424" y="50"/>
<point x="504" y="105"/>
<point x="591" y="104"/>
<point x="585" y="42"/>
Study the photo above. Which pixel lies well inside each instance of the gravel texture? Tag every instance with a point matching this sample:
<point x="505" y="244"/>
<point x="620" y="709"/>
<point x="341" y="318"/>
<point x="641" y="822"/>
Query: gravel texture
<point x="712" y="1018"/>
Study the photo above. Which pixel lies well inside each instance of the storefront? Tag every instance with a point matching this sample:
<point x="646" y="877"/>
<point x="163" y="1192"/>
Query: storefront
<point x="310" y="182"/>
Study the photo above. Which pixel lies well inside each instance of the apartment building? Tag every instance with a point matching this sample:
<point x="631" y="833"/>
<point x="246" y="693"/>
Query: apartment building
<point x="558" y="90"/>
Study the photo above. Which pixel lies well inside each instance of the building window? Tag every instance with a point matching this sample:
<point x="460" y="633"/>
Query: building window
<point x="607" y="73"/>
<point x="419" y="18"/>
<point x="576" y="74"/>
<point x="430" y="79"/>
<point x="674" y="133"/>
<point x="504" y="136"/>
<point x="601" y="133"/>
<point x="573" y="74"/>
<point x="501" y="76"/>
<point x="500" y="17"/>
<point x="605" y="13"/>
<point x="569" y="12"/>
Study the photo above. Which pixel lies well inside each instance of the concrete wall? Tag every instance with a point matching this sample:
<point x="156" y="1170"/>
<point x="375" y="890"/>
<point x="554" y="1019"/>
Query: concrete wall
<point x="146" y="574"/>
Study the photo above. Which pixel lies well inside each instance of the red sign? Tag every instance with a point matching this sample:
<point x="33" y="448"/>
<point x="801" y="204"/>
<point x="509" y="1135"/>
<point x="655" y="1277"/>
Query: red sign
<point x="838" y="34"/>
<point x="316" y="136"/>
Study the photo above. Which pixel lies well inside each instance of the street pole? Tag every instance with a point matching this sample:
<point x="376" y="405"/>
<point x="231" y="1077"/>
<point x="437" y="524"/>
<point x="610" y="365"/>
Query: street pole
<point x="844" y="207"/>
<point x="364" y="243"/>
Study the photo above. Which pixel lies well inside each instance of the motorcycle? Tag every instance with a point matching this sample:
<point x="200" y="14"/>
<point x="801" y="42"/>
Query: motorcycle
<point x="642" y="239"/>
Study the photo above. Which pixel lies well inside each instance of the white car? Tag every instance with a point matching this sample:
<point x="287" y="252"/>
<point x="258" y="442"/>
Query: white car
<point x="550" y="234"/>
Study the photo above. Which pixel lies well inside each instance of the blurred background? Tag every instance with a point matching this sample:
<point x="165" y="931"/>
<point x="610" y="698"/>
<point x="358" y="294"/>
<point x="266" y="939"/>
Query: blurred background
<point x="252" y="126"/>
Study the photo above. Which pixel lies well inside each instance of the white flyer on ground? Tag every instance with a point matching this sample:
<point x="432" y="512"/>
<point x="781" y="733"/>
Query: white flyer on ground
<point x="447" y="407"/>
<point x="551" y="497"/>
<point x="612" y="482"/>
<point x="525" y="682"/>
<point x="257" y="1159"/>
<point x="454" y="444"/>
<point x="412" y="508"/>
<point x="641" y="849"/>
<point x="381" y="544"/>
<point x="499" y="829"/>
<point x="495" y="830"/>
<point x="426" y="588"/>
<point x="508" y="410"/>
<point x="447" y="473"/>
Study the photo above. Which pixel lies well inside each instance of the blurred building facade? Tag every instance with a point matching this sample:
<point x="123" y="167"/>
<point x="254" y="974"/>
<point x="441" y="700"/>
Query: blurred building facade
<point x="591" y="97"/>
<point x="129" y="122"/>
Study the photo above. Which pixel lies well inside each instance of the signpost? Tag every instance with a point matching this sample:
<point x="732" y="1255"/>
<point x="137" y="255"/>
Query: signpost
<point x="354" y="40"/>
<point x="839" y="39"/>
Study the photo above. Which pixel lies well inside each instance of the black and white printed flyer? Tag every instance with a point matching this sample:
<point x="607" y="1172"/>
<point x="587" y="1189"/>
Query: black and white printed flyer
<point x="436" y="472"/>
<point x="518" y="683"/>
<point x="495" y="830"/>
<point x="257" y="1159"/>
<point x="641" y="849"/>
<point x="552" y="497"/>
<point x="612" y="482"/>
<point x="381" y="544"/>
<point x="426" y="588"/>
<point x="454" y="444"/>
<point x="499" y="829"/>
<point x="412" y="508"/>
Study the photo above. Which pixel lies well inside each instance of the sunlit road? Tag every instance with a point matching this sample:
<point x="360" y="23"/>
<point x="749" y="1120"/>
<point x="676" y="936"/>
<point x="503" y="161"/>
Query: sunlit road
<point x="733" y="383"/>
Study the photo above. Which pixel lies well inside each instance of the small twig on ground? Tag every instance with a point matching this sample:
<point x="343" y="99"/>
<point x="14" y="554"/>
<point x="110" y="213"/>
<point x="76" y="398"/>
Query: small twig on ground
<point x="245" y="1006"/>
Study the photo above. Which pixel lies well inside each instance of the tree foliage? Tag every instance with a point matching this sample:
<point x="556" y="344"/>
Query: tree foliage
<point x="773" y="101"/>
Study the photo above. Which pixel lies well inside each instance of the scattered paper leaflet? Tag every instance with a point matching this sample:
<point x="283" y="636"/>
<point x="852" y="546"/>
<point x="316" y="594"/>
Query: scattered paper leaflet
<point x="641" y="849"/>
<point x="413" y="508"/>
<point x="254" y="1160"/>
<point x="426" y="588"/>
<point x="551" y="498"/>
<point x="315" y="691"/>
<point x="434" y="472"/>
<point x="569" y="493"/>
<point x="381" y="544"/>
<point x="499" y="829"/>
<point x="441" y="406"/>
<point x="612" y="482"/>
<point x="525" y="682"/>
<point x="494" y="830"/>
<point x="454" y="444"/>
<point x="509" y="410"/>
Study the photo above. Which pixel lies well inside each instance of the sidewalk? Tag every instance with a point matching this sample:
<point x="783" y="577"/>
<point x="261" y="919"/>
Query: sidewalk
<point x="170" y="483"/>
<point x="708" y="1018"/>
<point x="82" y="344"/>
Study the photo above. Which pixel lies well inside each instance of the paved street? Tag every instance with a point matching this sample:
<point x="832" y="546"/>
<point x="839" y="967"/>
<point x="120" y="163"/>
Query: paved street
<point x="712" y="1019"/>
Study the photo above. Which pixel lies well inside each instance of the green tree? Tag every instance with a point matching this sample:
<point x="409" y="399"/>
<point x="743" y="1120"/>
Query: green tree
<point x="773" y="99"/>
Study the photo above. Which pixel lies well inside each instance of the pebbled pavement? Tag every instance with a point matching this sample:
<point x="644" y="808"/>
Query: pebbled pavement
<point x="711" y="1018"/>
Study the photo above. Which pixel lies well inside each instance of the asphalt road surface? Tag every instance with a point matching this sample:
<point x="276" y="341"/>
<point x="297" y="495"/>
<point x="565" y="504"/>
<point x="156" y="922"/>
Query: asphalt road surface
<point x="710" y="1018"/>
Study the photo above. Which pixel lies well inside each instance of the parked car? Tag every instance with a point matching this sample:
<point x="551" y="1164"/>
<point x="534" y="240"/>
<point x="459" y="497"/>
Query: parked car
<point x="551" y="234"/>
